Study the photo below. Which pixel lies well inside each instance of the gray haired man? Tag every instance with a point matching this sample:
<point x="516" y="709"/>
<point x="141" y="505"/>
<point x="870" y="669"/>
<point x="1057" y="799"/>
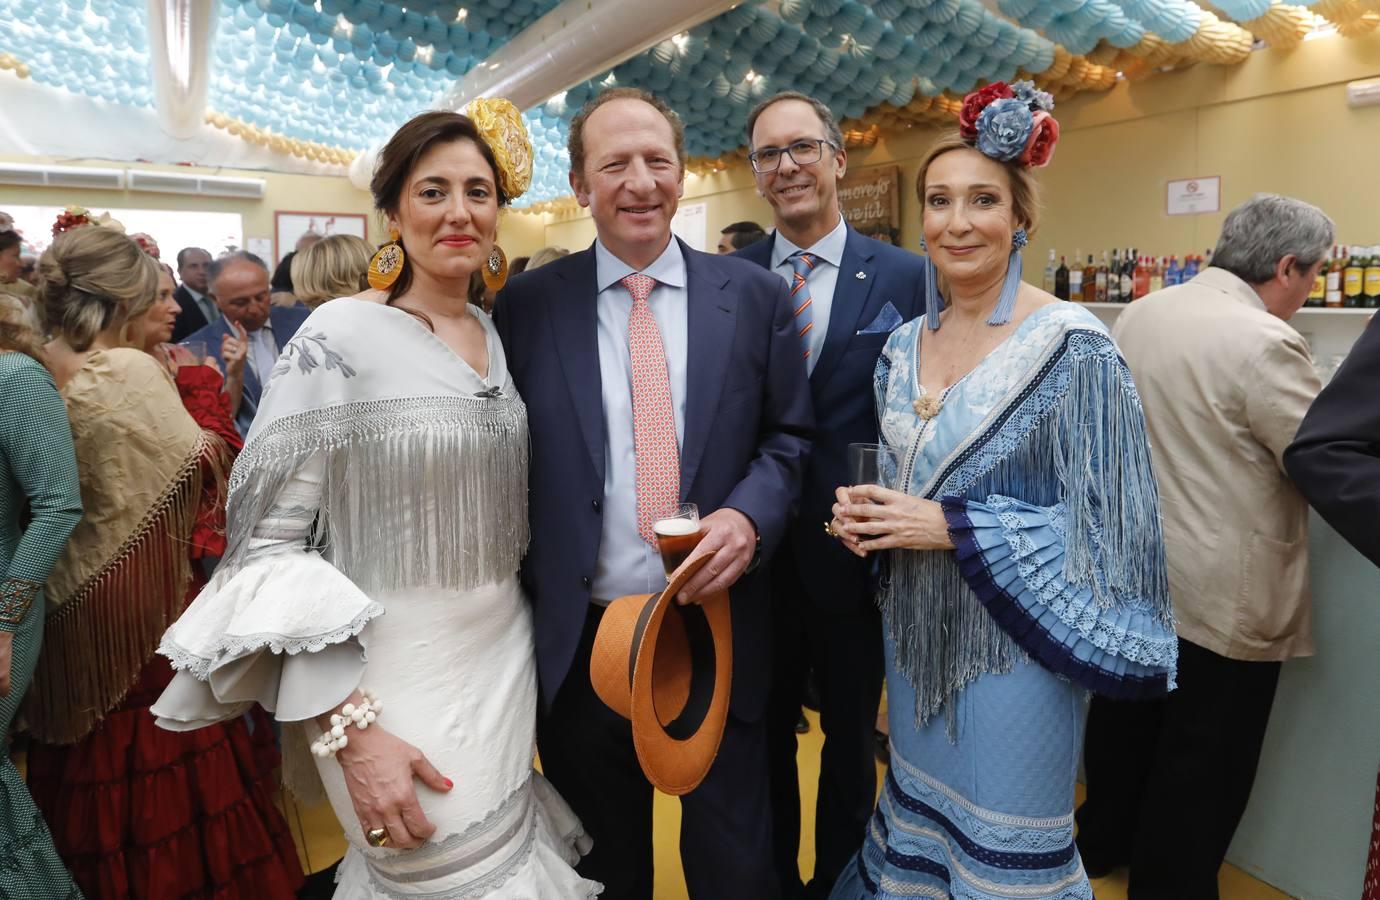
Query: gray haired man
<point x="250" y="332"/>
<point x="1225" y="382"/>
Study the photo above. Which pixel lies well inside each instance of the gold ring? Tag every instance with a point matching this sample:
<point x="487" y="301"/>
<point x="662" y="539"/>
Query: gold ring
<point x="376" y="837"/>
<point x="829" y="529"/>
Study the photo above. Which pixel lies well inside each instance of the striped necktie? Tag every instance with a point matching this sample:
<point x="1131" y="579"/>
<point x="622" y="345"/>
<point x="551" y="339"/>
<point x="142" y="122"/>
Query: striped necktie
<point x="803" y="263"/>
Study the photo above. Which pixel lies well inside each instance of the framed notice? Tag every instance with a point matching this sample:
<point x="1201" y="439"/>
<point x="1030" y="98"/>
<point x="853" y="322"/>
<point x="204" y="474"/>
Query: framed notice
<point x="691" y="224"/>
<point x="289" y="227"/>
<point x="870" y="199"/>
<point x="1190" y="196"/>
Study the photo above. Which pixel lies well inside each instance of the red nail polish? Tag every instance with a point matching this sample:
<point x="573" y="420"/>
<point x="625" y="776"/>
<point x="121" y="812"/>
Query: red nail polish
<point x="449" y="783"/>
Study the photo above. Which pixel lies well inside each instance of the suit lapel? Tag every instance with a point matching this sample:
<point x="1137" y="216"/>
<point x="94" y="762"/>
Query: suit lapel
<point x="851" y="296"/>
<point x="711" y="326"/>
<point x="574" y="324"/>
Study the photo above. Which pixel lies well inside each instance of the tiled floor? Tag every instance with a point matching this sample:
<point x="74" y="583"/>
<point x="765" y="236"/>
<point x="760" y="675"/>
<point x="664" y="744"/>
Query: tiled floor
<point x="320" y="843"/>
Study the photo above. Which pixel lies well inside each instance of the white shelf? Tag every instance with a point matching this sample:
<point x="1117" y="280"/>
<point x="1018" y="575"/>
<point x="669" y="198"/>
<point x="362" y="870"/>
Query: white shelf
<point x="1305" y="311"/>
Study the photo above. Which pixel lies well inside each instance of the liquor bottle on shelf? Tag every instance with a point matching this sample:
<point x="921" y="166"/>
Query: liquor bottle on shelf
<point x="1353" y="279"/>
<point x="1333" y="298"/>
<point x="1156" y="274"/>
<point x="1061" y="280"/>
<point x="1114" y="278"/>
<point x="1190" y="267"/>
<point x="1371" y="290"/>
<point x="1317" y="294"/>
<point x="1128" y="275"/>
<point x="1172" y="273"/>
<point x="1090" y="281"/>
<point x="1100" y="281"/>
<point x="1049" y="273"/>
<point x="1140" y="278"/>
<point x="1076" y="279"/>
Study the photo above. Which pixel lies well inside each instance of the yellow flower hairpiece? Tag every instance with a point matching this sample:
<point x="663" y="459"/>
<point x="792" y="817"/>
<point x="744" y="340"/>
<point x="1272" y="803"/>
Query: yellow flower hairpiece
<point x="500" y="122"/>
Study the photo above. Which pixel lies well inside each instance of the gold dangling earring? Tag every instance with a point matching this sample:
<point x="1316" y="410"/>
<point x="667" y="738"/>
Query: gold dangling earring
<point x="387" y="263"/>
<point x="495" y="269"/>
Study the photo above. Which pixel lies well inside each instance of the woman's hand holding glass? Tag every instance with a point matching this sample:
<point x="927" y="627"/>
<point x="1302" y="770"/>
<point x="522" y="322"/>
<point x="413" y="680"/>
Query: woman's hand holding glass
<point x="379" y="770"/>
<point x="868" y="517"/>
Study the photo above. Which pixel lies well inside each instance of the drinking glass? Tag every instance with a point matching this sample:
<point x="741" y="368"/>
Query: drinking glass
<point x="677" y="532"/>
<point x="197" y="350"/>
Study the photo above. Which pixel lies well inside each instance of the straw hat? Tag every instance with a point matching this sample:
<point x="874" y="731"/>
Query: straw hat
<point x="668" y="668"/>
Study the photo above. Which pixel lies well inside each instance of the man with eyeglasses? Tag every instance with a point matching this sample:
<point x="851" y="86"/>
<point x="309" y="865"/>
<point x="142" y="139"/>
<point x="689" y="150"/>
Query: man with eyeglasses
<point x="849" y="293"/>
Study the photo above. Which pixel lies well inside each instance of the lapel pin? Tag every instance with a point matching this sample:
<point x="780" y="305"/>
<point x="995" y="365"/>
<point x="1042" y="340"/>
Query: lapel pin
<point x="861" y="275"/>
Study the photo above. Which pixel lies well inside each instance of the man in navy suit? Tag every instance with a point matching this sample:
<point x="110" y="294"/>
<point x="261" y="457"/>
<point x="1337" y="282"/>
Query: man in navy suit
<point x="852" y="292"/>
<point x="250" y="331"/>
<point x="197" y="308"/>
<point x="720" y="393"/>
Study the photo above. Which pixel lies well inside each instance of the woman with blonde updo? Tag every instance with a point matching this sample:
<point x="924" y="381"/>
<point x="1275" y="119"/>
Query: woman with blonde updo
<point x="135" y="811"/>
<point x="334" y="266"/>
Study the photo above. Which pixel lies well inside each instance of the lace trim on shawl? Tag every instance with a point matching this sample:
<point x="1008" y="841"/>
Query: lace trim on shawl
<point x="97" y="639"/>
<point x="455" y="467"/>
<point x="1046" y="444"/>
<point x="199" y="666"/>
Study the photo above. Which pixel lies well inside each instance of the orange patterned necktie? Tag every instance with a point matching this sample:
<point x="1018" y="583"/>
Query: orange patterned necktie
<point x="654" y="420"/>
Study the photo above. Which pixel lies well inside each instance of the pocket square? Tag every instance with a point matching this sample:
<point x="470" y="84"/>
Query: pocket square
<point x="887" y="321"/>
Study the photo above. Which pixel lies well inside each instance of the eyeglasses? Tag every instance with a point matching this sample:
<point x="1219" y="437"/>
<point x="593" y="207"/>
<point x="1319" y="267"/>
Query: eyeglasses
<point x="802" y="153"/>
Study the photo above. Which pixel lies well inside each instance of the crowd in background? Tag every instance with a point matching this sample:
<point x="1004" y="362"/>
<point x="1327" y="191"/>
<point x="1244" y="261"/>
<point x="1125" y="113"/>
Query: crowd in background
<point x="1135" y="528"/>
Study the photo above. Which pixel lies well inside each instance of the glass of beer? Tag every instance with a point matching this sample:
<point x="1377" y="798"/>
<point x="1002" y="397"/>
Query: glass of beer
<point x="677" y="532"/>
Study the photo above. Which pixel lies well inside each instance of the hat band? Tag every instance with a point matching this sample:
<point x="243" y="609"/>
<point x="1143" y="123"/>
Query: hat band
<point x="703" y="666"/>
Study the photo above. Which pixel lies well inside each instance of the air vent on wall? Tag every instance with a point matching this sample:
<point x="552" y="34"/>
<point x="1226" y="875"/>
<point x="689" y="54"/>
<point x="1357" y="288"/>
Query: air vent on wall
<point x="62" y="176"/>
<point x="204" y="185"/>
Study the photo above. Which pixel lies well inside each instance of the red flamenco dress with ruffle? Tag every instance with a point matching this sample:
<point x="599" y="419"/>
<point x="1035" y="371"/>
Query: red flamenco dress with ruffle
<point x="136" y="811"/>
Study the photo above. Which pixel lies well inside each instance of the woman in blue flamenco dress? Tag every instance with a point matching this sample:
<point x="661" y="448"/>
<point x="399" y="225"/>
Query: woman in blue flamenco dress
<point x="1026" y="565"/>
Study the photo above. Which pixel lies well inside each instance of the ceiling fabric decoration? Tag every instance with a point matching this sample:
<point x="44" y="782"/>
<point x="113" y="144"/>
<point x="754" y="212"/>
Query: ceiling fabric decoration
<point x="329" y="80"/>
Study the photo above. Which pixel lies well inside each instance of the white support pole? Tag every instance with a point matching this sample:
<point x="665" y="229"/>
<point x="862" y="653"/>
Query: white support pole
<point x="180" y="33"/>
<point x="576" y="41"/>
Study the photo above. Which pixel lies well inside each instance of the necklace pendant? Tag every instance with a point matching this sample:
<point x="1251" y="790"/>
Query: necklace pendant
<point x="927" y="406"/>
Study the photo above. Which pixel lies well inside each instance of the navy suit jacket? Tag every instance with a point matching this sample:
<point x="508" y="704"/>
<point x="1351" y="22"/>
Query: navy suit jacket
<point x="286" y="320"/>
<point x="871" y="275"/>
<point x="189" y="319"/>
<point x="747" y="436"/>
<point x="1335" y="457"/>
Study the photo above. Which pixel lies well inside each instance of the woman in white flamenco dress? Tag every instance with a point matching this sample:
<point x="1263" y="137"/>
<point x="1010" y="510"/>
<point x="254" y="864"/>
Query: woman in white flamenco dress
<point x="377" y="518"/>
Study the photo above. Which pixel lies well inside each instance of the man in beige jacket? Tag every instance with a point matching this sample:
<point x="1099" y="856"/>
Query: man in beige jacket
<point x="1225" y="382"/>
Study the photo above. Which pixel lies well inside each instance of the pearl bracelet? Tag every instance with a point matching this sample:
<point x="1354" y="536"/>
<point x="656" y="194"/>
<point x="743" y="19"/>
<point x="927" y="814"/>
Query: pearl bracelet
<point x="362" y="716"/>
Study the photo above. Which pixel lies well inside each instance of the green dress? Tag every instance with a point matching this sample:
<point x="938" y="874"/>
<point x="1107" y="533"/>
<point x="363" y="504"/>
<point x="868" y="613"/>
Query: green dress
<point x="40" y="503"/>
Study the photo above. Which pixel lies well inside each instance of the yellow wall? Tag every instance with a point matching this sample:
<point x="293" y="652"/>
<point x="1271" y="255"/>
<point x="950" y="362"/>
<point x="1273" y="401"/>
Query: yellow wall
<point x="1277" y="122"/>
<point x="519" y="234"/>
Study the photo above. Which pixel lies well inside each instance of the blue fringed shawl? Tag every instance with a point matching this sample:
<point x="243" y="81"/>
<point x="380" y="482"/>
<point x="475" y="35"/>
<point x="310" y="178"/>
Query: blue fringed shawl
<point x="1041" y="461"/>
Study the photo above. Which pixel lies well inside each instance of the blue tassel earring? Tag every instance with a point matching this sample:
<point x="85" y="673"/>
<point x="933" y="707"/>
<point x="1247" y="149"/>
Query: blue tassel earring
<point x="1006" y="302"/>
<point x="934" y="303"/>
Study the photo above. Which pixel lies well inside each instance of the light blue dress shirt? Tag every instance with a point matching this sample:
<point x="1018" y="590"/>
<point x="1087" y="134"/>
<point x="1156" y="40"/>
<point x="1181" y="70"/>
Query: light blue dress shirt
<point x="627" y="564"/>
<point x="821" y="281"/>
<point x="263" y="351"/>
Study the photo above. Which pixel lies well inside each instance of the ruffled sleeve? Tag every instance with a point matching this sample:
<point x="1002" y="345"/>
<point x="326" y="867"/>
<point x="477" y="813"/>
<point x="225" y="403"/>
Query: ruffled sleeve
<point x="1012" y="556"/>
<point x="285" y="630"/>
<point x="1081" y="585"/>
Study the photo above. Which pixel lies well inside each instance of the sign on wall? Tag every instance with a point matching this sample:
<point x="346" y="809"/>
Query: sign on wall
<point x="871" y="202"/>
<point x="1190" y="196"/>
<point x="690" y="224"/>
<point x="291" y="226"/>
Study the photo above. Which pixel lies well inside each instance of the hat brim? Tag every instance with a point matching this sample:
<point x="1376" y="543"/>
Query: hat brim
<point x="676" y="744"/>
